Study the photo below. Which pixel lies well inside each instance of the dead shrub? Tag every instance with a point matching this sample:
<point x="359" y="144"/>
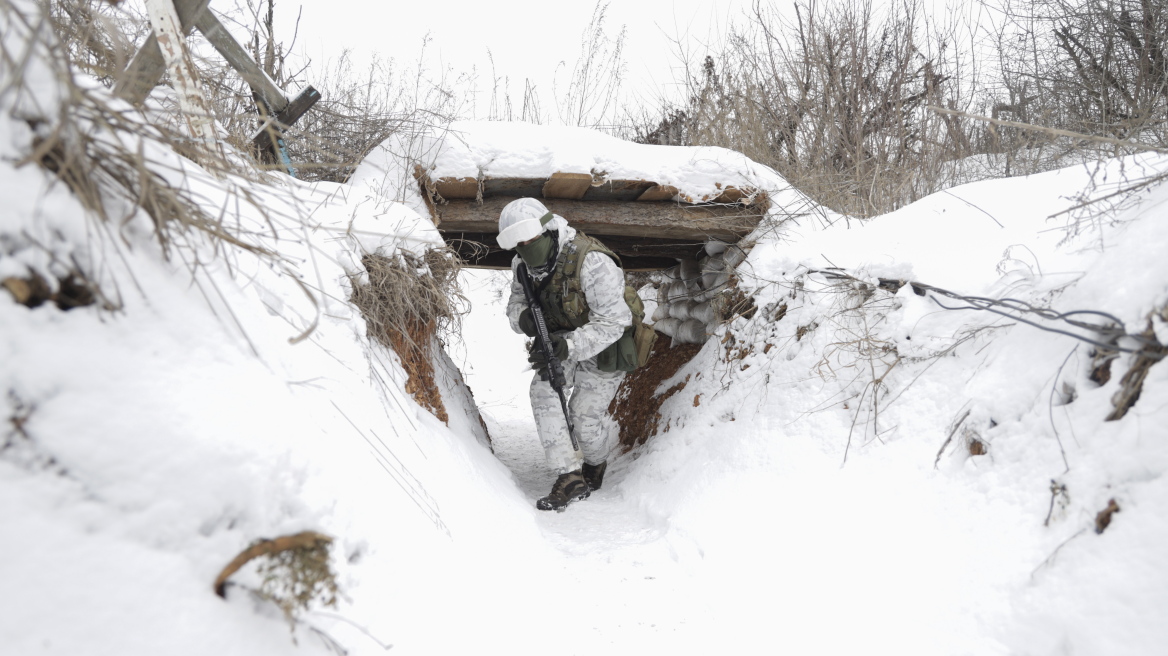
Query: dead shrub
<point x="357" y="111"/>
<point x="834" y="100"/>
<point x="1132" y="382"/>
<point x="1103" y="518"/>
<point x="408" y="301"/>
<point x="1096" y="67"/>
<point x="98" y="35"/>
<point x="114" y="160"/>
<point x="295" y="572"/>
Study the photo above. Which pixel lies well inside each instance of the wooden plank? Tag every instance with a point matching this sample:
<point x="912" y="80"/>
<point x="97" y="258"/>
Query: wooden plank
<point x="427" y="191"/>
<point x="658" y="193"/>
<point x="270" y="131"/>
<point x="674" y="249"/>
<point x="480" y="251"/>
<point x="731" y="195"/>
<point x="169" y="39"/>
<point x="514" y="187"/>
<point x="567" y="185"/>
<point x="261" y="85"/>
<point x="457" y="188"/>
<point x="147" y="66"/>
<point x="618" y="190"/>
<point x="662" y="220"/>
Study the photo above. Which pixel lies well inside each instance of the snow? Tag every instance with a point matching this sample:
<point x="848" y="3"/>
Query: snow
<point x="480" y="149"/>
<point x="780" y="511"/>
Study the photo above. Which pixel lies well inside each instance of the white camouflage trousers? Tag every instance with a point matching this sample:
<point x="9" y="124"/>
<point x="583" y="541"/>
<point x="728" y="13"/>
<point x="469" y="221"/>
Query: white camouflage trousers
<point x="591" y="391"/>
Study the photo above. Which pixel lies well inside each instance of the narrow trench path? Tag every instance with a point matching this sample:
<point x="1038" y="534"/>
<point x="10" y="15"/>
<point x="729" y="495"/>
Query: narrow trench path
<point x="495" y="365"/>
<point x="647" y="577"/>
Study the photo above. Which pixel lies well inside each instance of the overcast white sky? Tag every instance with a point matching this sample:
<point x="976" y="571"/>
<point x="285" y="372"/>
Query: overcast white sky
<point x="527" y="38"/>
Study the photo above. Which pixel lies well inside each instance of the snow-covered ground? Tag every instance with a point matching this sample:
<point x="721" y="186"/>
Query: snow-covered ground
<point x="781" y="511"/>
<point x="742" y="528"/>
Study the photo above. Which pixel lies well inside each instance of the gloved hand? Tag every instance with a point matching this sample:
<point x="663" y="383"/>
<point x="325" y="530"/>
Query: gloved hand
<point x="527" y="322"/>
<point x="539" y="363"/>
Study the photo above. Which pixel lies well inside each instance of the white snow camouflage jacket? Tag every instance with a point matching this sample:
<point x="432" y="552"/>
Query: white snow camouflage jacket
<point x="604" y="289"/>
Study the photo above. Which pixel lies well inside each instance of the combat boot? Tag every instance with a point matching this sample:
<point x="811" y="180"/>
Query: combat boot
<point x="567" y="488"/>
<point x="594" y="475"/>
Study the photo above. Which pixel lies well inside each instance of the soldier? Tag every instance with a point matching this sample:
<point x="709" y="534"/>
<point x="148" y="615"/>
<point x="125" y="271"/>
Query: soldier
<point x="592" y="319"/>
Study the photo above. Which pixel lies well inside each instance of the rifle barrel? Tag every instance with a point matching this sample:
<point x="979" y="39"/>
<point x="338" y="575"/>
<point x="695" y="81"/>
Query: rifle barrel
<point x="555" y="368"/>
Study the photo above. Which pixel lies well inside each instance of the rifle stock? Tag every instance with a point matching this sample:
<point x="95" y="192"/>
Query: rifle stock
<point x="544" y="343"/>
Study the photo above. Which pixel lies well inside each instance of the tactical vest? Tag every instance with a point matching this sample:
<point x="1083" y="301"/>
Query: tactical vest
<point x="565" y="307"/>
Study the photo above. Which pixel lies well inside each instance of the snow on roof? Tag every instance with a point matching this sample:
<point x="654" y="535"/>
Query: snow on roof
<point x="481" y="149"/>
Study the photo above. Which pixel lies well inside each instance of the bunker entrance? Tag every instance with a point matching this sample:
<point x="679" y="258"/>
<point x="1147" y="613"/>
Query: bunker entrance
<point x="651" y="226"/>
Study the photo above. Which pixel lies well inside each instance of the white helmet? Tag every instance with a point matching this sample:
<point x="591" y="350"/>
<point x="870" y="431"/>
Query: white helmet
<point x="520" y="221"/>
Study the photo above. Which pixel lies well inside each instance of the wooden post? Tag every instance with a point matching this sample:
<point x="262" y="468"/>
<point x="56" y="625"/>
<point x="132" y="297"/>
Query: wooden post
<point x="261" y="85"/>
<point x="169" y="34"/>
<point x="147" y="66"/>
<point x="149" y="63"/>
<point x="270" y="138"/>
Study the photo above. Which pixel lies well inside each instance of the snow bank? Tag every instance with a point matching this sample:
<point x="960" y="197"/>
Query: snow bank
<point x="480" y="149"/>
<point x="225" y="396"/>
<point x="239" y="398"/>
<point x="799" y="458"/>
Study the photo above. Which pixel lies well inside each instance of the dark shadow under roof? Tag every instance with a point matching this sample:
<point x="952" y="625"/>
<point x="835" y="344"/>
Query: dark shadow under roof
<point x="650" y="226"/>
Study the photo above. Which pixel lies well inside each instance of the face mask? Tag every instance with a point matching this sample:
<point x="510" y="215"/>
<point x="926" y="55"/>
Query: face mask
<point x="537" y="252"/>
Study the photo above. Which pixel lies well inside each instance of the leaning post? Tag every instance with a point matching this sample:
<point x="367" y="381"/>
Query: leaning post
<point x="169" y="33"/>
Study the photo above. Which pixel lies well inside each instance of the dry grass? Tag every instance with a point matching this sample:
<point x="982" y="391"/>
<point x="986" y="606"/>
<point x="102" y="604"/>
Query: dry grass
<point x="358" y="109"/>
<point x="98" y="37"/>
<point x="407" y="302"/>
<point x="835" y="97"/>
<point x="295" y="572"/>
<point x="298" y="578"/>
<point x="1097" y="67"/>
<point x="114" y="159"/>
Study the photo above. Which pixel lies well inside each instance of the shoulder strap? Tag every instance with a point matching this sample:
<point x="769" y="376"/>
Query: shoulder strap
<point x="583" y="244"/>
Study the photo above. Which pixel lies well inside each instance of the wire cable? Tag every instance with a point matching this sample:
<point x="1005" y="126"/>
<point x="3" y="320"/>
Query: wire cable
<point x="1015" y="309"/>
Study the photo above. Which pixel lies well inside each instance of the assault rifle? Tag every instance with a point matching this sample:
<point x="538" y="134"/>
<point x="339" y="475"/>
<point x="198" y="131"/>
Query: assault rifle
<point x="544" y="343"/>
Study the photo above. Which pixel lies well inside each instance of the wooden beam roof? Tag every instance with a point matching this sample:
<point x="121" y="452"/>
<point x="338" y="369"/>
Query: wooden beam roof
<point x="649" y="225"/>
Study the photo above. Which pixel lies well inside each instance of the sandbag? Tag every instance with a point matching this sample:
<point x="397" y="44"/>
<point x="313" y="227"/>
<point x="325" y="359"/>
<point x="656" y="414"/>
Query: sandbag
<point x="691" y="332"/>
<point x="704" y="312"/>
<point x="715" y="282"/>
<point x="667" y="326"/>
<point x="711" y="264"/>
<point x="681" y="310"/>
<point x="733" y="257"/>
<point x="660" y="311"/>
<point x="678" y="291"/>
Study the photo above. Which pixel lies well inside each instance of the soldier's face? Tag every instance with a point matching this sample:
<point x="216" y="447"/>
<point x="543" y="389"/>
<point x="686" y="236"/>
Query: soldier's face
<point x="535" y="252"/>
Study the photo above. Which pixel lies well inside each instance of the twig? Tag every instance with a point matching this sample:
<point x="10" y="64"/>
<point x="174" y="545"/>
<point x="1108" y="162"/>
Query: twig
<point x="853" y="427"/>
<point x="950" y="438"/>
<point x="1049" y="559"/>
<point x="1054" y="131"/>
<point x="1050" y="409"/>
<point x="1056" y="489"/>
<point x="383" y="645"/>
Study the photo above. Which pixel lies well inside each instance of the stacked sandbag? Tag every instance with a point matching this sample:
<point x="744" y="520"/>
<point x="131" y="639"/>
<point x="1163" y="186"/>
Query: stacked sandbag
<point x="692" y="297"/>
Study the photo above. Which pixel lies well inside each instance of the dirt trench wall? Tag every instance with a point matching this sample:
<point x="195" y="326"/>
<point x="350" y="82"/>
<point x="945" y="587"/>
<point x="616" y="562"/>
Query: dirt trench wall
<point x="405" y="298"/>
<point x="637" y="404"/>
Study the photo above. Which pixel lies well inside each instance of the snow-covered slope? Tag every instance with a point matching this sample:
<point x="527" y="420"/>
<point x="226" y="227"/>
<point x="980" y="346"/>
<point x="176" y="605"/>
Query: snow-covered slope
<point x="143" y="448"/>
<point x="800" y="458"/>
<point x="742" y="527"/>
